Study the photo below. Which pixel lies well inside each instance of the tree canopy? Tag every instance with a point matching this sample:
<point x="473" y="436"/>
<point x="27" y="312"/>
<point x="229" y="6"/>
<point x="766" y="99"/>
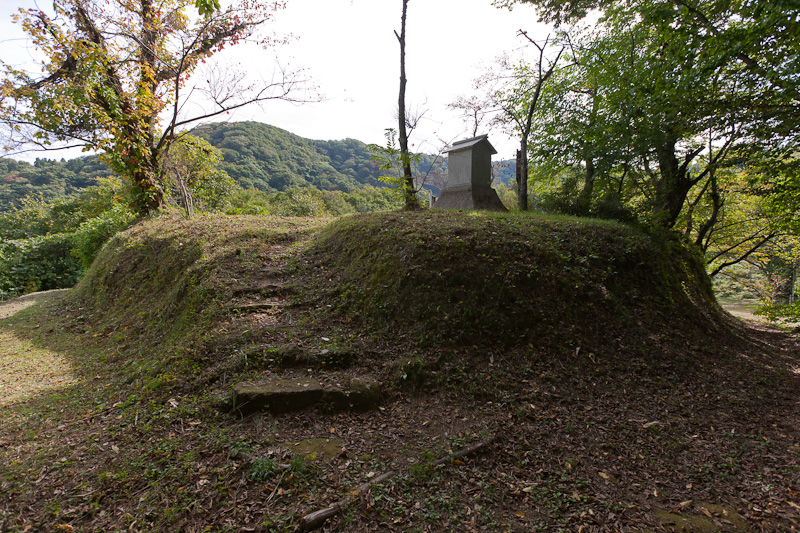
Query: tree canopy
<point x="659" y="97"/>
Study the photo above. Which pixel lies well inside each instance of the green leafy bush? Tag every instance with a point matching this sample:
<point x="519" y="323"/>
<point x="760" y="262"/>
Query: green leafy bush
<point x="47" y="245"/>
<point x="37" y="264"/>
<point x="93" y="233"/>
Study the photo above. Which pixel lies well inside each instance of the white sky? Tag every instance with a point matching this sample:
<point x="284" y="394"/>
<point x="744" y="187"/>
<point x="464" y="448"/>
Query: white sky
<point x="349" y="49"/>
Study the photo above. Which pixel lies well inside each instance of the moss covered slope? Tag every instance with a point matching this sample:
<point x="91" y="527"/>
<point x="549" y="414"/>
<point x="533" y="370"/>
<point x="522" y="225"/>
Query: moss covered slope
<point x="442" y="278"/>
<point x="171" y="290"/>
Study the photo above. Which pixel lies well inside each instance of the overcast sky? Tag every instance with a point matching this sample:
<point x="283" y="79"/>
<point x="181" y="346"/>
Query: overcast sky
<point x="349" y="49"/>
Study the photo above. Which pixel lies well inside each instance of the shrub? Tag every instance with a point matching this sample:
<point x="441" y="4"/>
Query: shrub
<point x="37" y="264"/>
<point x="93" y="233"/>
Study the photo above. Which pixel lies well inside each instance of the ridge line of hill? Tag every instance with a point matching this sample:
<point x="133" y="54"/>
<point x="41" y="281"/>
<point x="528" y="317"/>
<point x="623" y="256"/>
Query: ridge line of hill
<point x="256" y="155"/>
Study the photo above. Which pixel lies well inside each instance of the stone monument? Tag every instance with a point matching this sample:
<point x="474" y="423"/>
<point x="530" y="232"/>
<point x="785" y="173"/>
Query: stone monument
<point x="469" y="177"/>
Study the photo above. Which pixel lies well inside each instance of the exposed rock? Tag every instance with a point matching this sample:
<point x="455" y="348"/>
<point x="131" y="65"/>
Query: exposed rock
<point x="334" y="358"/>
<point x="323" y="448"/>
<point x="221" y="400"/>
<point x="290" y="355"/>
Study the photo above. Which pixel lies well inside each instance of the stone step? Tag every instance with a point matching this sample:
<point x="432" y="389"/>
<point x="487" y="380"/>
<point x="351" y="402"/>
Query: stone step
<point x="264" y="289"/>
<point x="254" y="306"/>
<point x="281" y="395"/>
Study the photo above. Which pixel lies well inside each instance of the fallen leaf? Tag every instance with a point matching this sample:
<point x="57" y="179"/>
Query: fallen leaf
<point x="604" y="475"/>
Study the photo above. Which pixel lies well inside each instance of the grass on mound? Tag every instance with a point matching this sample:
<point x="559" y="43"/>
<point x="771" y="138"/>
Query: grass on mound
<point x="161" y="289"/>
<point x="430" y="281"/>
<point x="459" y="279"/>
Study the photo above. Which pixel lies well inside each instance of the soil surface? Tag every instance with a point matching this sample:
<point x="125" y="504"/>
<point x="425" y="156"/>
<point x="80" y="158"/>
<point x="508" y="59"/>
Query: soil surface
<point x="700" y="449"/>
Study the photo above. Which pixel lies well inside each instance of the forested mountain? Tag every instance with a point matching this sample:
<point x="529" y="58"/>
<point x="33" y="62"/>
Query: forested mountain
<point x="268" y="158"/>
<point x="256" y="155"/>
<point x="49" y="178"/>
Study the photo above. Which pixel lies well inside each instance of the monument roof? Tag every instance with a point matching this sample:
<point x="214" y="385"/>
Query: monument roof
<point x="469" y="143"/>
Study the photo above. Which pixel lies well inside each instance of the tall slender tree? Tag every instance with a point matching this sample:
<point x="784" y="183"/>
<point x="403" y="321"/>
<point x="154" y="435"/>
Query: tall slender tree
<point x="410" y="196"/>
<point x="519" y="100"/>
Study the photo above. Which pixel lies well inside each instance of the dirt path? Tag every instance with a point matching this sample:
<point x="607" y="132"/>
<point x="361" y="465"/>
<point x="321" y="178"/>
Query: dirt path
<point x="27" y="369"/>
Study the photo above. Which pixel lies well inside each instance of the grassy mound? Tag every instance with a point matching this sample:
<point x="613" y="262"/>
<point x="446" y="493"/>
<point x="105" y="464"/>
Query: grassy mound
<point x="163" y="289"/>
<point x="426" y="281"/>
<point x="668" y="416"/>
<point x="462" y="279"/>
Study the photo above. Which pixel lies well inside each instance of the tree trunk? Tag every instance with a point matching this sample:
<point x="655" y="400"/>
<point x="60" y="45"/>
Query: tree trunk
<point x="716" y="206"/>
<point x="148" y="194"/>
<point x="186" y="197"/>
<point x="409" y="193"/>
<point x="672" y="188"/>
<point x="522" y="174"/>
<point x="584" y="201"/>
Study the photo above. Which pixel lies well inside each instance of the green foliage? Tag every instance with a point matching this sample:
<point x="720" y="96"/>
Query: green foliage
<point x="92" y="234"/>
<point x="37" y="264"/>
<point x="48" y="179"/>
<point x="47" y="246"/>
<point x="780" y="312"/>
<point x="311" y="201"/>
<point x="30" y="218"/>
<point x="651" y="118"/>
<point x="297" y="202"/>
<point x="248" y="202"/>
<point x="263" y="469"/>
<point x="193" y="177"/>
<point x="270" y="159"/>
<point x="388" y="159"/>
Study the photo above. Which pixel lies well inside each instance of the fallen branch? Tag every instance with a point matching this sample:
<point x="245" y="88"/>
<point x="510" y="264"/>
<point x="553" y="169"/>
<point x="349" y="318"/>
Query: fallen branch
<point x="316" y="519"/>
<point x="463" y="452"/>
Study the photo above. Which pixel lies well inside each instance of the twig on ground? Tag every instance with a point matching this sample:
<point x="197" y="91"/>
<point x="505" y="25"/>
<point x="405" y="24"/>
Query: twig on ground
<point x="316" y="519"/>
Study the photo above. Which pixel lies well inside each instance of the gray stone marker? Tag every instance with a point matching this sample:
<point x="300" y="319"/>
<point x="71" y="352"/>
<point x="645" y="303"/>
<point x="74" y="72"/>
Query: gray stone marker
<point x="469" y="177"/>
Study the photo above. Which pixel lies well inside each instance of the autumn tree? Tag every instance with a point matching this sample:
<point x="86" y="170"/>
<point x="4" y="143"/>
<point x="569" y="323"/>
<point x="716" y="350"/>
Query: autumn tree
<point x="116" y="77"/>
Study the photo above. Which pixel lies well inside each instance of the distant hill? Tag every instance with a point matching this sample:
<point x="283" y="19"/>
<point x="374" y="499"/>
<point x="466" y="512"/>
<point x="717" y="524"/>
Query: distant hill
<point x="49" y="178"/>
<point x="269" y="158"/>
<point x="256" y="155"/>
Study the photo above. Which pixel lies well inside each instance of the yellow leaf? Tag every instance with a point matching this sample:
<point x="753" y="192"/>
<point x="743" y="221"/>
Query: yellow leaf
<point x="603" y="475"/>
